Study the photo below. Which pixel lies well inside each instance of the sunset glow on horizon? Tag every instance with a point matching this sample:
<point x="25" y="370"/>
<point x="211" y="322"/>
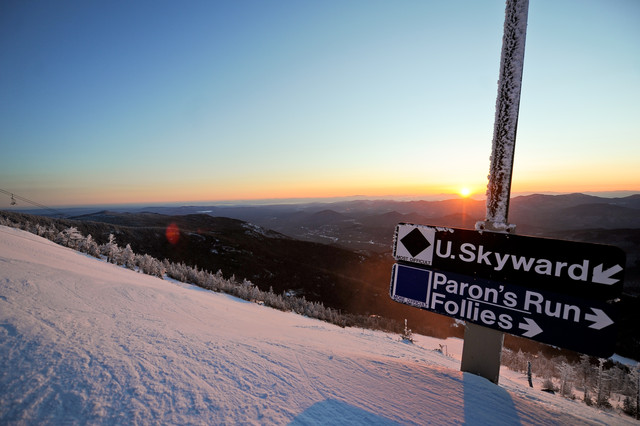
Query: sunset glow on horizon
<point x="150" y="102"/>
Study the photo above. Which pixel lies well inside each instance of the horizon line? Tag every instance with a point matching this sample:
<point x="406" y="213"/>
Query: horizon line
<point x="315" y="200"/>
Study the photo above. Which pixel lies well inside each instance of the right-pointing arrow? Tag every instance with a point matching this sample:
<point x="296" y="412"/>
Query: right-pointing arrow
<point x="604" y="277"/>
<point x="599" y="318"/>
<point x="532" y="329"/>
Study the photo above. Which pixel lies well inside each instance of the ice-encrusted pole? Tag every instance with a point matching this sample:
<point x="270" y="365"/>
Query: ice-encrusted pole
<point x="483" y="346"/>
<point x="506" y="119"/>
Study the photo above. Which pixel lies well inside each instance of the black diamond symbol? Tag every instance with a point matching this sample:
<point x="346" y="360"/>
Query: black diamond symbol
<point x="415" y="242"/>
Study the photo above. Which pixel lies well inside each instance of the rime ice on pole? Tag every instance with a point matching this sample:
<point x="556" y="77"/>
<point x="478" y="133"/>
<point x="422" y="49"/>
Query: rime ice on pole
<point x="506" y="119"/>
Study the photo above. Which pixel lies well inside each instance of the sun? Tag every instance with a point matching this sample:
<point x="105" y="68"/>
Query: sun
<point x="464" y="192"/>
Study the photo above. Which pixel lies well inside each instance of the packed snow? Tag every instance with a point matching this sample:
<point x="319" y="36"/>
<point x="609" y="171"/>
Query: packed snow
<point x="84" y="341"/>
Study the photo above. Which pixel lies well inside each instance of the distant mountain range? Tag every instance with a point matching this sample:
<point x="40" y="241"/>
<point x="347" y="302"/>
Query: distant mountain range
<point x="369" y="225"/>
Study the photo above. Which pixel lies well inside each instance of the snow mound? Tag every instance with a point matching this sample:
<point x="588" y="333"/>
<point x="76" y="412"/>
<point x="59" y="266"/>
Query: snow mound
<point x="84" y="341"/>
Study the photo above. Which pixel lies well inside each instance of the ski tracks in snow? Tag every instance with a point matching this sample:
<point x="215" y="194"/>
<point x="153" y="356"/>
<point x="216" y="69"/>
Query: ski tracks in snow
<point x="82" y="341"/>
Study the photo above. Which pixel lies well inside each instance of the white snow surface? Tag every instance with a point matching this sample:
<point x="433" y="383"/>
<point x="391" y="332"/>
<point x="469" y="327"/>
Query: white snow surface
<point x="86" y="342"/>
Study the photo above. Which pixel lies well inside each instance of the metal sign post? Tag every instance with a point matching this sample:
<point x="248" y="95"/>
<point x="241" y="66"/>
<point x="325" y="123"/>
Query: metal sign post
<point x="506" y="118"/>
<point x="483" y="346"/>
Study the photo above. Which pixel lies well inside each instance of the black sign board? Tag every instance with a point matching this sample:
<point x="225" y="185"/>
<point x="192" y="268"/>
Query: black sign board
<point x="583" y="325"/>
<point x="590" y="270"/>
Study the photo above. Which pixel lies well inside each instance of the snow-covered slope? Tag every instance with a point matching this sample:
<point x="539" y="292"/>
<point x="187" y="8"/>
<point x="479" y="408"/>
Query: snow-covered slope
<point x="83" y="341"/>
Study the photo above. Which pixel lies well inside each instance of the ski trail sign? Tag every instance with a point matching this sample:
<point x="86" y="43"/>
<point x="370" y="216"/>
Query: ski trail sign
<point x="586" y="326"/>
<point x="591" y="270"/>
<point x="558" y="292"/>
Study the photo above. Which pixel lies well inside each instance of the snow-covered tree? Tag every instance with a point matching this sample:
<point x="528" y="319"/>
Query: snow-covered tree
<point x="547" y="385"/>
<point x="127" y="257"/>
<point x="631" y="403"/>
<point x="585" y="373"/>
<point x="566" y="378"/>
<point x="149" y="265"/>
<point x="602" y="398"/>
<point x="70" y="237"/>
<point x="42" y="230"/>
<point x="88" y="245"/>
<point x="110" y="249"/>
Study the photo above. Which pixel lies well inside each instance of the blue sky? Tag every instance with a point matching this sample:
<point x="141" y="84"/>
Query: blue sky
<point x="119" y="101"/>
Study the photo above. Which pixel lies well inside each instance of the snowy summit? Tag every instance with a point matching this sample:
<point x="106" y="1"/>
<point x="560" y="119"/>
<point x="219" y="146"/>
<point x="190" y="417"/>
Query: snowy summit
<point x="84" y="341"/>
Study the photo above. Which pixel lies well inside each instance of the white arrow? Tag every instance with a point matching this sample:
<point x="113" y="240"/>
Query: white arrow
<point x="531" y="327"/>
<point x="599" y="318"/>
<point x="604" y="277"/>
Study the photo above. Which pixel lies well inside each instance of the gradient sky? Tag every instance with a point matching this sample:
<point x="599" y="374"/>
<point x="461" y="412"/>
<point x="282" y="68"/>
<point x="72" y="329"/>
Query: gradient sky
<point x="142" y="101"/>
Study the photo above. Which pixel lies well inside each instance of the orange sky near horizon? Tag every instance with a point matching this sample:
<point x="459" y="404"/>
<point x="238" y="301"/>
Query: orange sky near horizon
<point x="528" y="177"/>
<point x="203" y="193"/>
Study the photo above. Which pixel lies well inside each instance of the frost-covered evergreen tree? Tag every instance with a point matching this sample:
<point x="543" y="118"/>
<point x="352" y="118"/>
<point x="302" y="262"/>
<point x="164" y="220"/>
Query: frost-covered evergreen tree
<point x="585" y="373"/>
<point x="547" y="385"/>
<point x="69" y="237"/>
<point x="44" y="231"/>
<point x="566" y="378"/>
<point x="631" y="403"/>
<point x="521" y="361"/>
<point x="628" y="406"/>
<point x="602" y="398"/>
<point x="89" y="246"/>
<point x="127" y="257"/>
<point x="149" y="265"/>
<point x="110" y="249"/>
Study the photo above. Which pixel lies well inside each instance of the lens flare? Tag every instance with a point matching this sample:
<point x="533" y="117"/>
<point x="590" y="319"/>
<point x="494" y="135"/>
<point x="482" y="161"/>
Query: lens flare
<point x="172" y="233"/>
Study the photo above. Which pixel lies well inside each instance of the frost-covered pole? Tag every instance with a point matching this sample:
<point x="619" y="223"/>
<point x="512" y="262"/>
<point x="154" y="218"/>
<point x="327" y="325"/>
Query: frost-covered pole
<point x="506" y="119"/>
<point x="483" y="346"/>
